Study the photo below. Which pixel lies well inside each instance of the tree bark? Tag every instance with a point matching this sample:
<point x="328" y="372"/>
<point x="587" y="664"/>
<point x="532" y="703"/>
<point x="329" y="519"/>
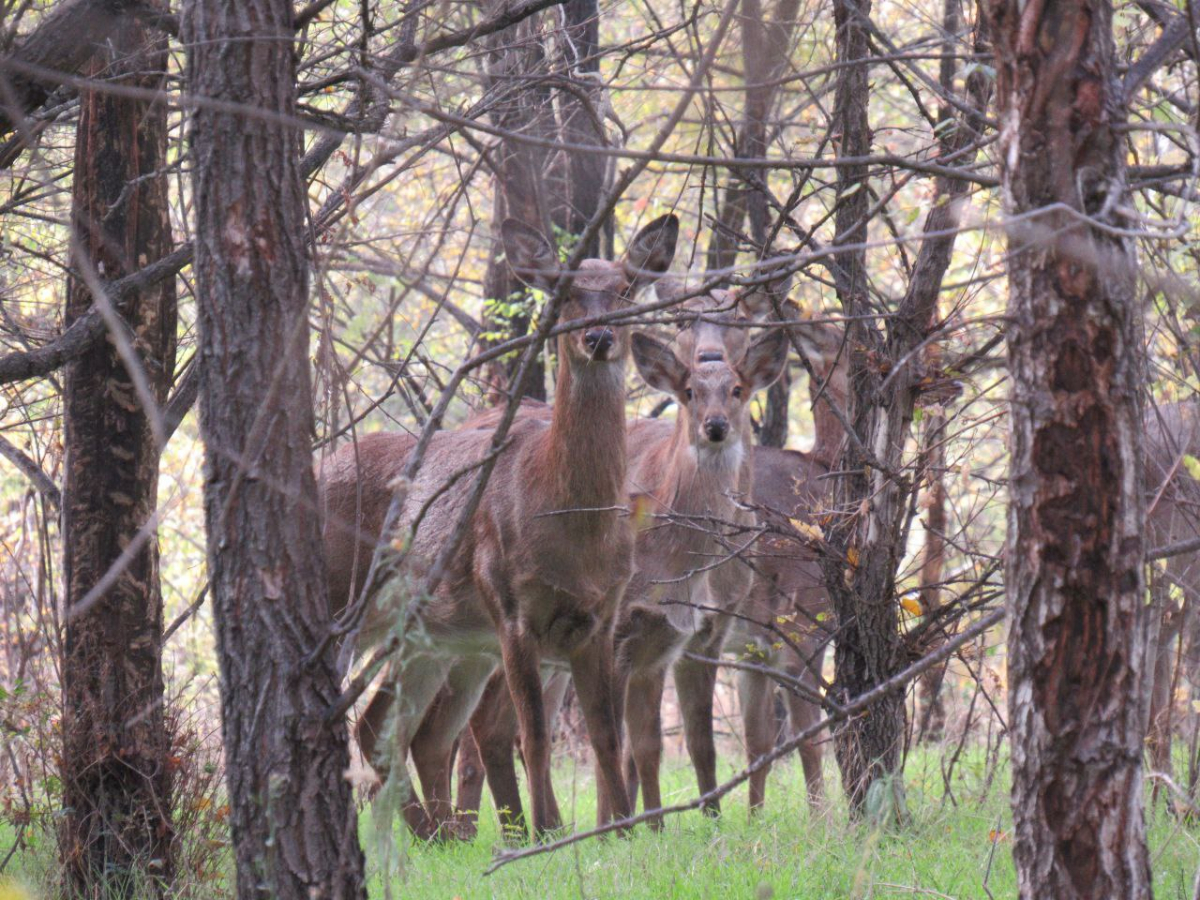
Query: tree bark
<point x="117" y="837"/>
<point x="862" y="588"/>
<point x="1074" y="565"/>
<point x="871" y="538"/>
<point x="541" y="188"/>
<point x="63" y="42"/>
<point x="292" y="814"/>
<point x="932" y="724"/>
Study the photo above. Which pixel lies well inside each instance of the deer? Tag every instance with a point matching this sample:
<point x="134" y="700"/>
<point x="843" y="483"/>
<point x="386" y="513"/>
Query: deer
<point x="1172" y="516"/>
<point x="687" y="475"/>
<point x="542" y="568"/>
<point x="783" y="583"/>
<point x="692" y="478"/>
<point x="782" y="627"/>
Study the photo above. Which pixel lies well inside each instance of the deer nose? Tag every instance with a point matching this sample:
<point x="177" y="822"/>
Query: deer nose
<point x="716" y="428"/>
<point x="598" y="340"/>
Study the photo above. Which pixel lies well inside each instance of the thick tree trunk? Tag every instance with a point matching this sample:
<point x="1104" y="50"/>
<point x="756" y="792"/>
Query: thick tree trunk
<point x="1075" y="549"/>
<point x="117" y="838"/>
<point x="293" y="818"/>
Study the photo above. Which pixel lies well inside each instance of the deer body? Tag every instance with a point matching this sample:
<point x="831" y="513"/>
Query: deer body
<point x="689" y="477"/>
<point x="1172" y="515"/>
<point x="782" y="629"/>
<point x="545" y="560"/>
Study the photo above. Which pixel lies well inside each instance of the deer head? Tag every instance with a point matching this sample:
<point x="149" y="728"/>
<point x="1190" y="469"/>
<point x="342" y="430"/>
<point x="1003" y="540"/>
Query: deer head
<point x="599" y="286"/>
<point x="723" y="371"/>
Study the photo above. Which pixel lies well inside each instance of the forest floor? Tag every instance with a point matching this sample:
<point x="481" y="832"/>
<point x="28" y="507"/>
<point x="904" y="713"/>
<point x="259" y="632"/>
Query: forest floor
<point x="958" y="845"/>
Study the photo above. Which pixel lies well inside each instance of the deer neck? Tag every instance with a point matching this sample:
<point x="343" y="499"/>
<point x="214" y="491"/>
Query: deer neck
<point x="584" y="454"/>
<point x="829" y="433"/>
<point x="701" y="479"/>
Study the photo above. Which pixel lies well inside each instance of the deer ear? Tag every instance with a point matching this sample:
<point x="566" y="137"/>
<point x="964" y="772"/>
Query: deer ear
<point x="820" y="341"/>
<point x="765" y="360"/>
<point x="658" y="364"/>
<point x="651" y="251"/>
<point x="531" y="257"/>
<point x="758" y="301"/>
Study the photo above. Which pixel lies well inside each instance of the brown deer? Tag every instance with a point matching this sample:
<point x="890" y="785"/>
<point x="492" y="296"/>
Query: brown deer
<point x="685" y="479"/>
<point x="1172" y="516"/>
<point x="788" y="594"/>
<point x="787" y="582"/>
<point x="543" y="566"/>
<point x="692" y="478"/>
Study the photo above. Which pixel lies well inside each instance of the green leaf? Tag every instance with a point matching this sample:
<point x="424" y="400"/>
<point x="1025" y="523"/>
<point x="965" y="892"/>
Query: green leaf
<point x="1192" y="465"/>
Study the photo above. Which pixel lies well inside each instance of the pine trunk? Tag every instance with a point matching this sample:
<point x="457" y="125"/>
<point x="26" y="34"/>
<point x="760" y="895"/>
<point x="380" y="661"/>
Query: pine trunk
<point x="292" y="813"/>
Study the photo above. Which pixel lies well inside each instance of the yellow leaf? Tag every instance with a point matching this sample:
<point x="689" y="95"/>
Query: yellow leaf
<point x="852" y="556"/>
<point x="912" y="605"/>
<point x="10" y="890"/>
<point x="1196" y="706"/>
<point x="808" y="530"/>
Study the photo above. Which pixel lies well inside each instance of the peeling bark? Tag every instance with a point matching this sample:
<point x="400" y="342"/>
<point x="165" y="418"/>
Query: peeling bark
<point x="1074" y="566"/>
<point x="117" y="837"/>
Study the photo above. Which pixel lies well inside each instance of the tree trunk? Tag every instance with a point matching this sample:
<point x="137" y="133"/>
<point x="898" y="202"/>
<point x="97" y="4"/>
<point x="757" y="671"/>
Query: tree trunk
<point x="861" y="584"/>
<point x="933" y="711"/>
<point x="872" y="537"/>
<point x="292" y="813"/>
<point x="117" y="837"/>
<point x="1074" y="565"/>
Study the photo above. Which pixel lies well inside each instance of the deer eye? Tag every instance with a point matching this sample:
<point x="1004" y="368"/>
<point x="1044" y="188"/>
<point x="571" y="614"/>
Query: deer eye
<point x="737" y="392"/>
<point x="687" y="392"/>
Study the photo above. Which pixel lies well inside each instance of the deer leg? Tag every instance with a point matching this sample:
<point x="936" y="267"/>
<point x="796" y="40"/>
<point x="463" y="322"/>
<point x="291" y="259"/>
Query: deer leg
<point x="522" y="671"/>
<point x="804" y="714"/>
<point x="494" y="729"/>
<point x="433" y="744"/>
<point x="392" y="716"/>
<point x="470" y="781"/>
<point x="643" y="722"/>
<point x="756" y="695"/>
<point x="592" y="669"/>
<point x="695" y="683"/>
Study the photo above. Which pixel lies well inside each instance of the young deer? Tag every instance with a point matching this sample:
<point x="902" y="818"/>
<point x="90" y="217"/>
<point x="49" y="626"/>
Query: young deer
<point x="544" y="564"/>
<point x="691" y="479"/>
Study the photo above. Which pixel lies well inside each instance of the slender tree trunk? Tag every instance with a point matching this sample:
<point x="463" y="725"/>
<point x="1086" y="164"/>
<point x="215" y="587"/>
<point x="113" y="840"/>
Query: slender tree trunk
<point x="867" y="652"/>
<point x="117" y="838"/>
<point x="932" y="724"/>
<point x="1074" y="564"/>
<point x="517" y="66"/>
<point x="292" y="813"/>
<point x="542" y="188"/>
<point x="874" y="491"/>
<point x="765" y="47"/>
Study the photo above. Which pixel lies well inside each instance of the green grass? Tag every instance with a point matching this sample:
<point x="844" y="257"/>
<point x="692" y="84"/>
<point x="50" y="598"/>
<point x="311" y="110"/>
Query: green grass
<point x="783" y="853"/>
